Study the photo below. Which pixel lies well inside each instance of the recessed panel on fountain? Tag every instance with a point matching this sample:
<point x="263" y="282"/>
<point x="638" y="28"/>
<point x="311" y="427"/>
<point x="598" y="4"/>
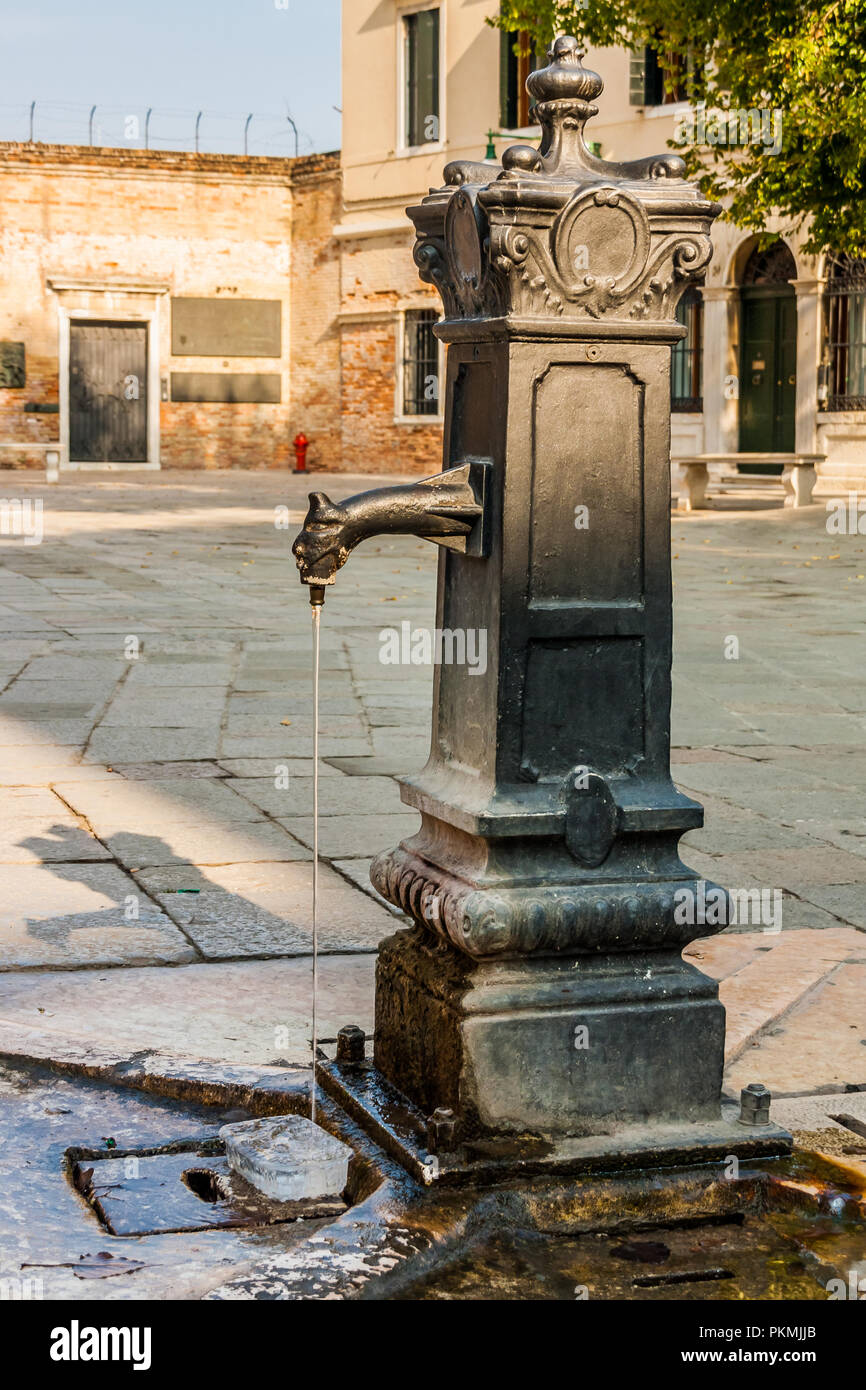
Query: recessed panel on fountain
<point x="587" y="483"/>
<point x="599" y="720"/>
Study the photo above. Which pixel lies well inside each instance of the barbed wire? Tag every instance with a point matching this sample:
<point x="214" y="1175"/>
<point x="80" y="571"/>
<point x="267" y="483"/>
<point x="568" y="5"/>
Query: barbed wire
<point x="143" y="127"/>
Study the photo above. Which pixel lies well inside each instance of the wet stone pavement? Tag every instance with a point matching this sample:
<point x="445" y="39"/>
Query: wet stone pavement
<point x="155" y="822"/>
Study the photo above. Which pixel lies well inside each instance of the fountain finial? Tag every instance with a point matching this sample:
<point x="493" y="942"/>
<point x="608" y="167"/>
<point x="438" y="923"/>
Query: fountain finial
<point x="565" y="78"/>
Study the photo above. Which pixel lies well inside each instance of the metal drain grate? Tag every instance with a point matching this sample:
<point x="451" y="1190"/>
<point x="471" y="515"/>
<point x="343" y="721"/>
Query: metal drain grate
<point x="149" y="1194"/>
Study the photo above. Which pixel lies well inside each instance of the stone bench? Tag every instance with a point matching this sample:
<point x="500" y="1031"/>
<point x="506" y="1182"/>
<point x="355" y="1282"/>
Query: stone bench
<point x="798" y="475"/>
<point x="53" y="451"/>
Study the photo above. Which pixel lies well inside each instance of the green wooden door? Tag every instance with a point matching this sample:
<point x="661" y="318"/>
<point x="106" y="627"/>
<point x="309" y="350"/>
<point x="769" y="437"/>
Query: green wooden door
<point x="768" y="373"/>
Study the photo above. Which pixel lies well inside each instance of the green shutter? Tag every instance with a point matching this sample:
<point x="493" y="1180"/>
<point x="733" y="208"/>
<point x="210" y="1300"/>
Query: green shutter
<point x="637" y="77"/>
<point x="422" y="77"/>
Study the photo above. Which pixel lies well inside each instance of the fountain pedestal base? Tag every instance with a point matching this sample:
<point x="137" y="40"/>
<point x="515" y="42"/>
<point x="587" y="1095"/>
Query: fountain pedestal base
<point x="570" y="1046"/>
<point x="401" y="1129"/>
<point x="572" y="1064"/>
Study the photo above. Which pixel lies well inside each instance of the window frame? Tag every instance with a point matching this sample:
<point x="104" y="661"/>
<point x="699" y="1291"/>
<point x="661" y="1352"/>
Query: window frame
<point x="523" y="67"/>
<point x="400" y="415"/>
<point x="404" y="149"/>
<point x="642" y="68"/>
<point x="845" y="280"/>
<point x="692" y="353"/>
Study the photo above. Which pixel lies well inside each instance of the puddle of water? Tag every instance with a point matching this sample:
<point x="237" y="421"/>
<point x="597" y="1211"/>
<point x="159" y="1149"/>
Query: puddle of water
<point x="786" y="1231"/>
<point x="736" y="1260"/>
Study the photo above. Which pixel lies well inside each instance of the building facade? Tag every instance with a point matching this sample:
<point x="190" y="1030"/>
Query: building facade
<point x="775" y="357"/>
<point x="167" y="310"/>
<point x="192" y="311"/>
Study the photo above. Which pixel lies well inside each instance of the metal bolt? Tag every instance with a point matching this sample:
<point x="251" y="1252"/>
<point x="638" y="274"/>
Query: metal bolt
<point x="440" y="1130"/>
<point x="350" y="1044"/>
<point x="755" y="1105"/>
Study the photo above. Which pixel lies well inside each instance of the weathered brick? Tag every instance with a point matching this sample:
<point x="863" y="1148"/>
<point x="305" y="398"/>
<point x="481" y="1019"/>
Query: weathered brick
<point x="203" y="225"/>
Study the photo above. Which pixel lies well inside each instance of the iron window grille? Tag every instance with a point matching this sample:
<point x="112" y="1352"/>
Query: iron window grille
<point x="421" y="68"/>
<point x="845" y="299"/>
<point x="420" y="363"/>
<point x="686" y="364"/>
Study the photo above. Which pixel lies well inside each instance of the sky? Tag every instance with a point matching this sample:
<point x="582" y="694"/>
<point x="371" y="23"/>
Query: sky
<point x="226" y="58"/>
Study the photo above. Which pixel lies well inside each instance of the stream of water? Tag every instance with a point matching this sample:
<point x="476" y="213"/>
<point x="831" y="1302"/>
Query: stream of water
<point x="316" y="615"/>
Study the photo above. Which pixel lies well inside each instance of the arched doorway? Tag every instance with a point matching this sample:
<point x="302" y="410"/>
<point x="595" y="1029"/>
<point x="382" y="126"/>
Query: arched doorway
<point x="768" y="354"/>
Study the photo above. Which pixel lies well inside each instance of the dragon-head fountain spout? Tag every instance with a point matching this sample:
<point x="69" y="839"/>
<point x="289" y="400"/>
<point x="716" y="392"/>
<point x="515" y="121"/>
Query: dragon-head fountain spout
<point x="447" y="508"/>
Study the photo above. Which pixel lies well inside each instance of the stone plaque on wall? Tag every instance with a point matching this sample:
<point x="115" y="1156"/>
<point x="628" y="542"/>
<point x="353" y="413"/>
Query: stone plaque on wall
<point x="12" y="369"/>
<point x="228" y="388"/>
<point x="226" y="327"/>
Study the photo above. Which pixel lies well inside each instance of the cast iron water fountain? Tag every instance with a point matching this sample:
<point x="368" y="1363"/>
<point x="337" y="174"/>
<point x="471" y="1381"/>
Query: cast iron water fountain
<point x="542" y="1115"/>
<point x="538" y="1021"/>
<point x="541" y="1007"/>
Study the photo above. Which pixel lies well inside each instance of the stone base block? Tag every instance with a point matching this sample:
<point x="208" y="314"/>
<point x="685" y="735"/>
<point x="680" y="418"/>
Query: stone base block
<point x="578" y="1046"/>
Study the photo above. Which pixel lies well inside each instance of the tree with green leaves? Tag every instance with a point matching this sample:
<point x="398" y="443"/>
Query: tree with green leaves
<point x="803" y="59"/>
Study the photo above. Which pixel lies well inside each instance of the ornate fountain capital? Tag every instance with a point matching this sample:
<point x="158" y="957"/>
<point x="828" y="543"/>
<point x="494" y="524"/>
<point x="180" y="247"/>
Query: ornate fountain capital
<point x="557" y="232"/>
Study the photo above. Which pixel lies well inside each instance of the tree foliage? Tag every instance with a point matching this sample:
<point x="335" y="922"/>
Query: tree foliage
<point x="805" y="59"/>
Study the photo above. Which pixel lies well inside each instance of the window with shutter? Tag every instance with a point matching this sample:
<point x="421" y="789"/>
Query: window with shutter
<point x="637" y="77"/>
<point x="515" y="106"/>
<point x="421" y="76"/>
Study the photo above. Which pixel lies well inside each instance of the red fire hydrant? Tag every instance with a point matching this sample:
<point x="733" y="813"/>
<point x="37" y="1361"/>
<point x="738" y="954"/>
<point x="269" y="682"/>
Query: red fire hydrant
<point x="300" y="444"/>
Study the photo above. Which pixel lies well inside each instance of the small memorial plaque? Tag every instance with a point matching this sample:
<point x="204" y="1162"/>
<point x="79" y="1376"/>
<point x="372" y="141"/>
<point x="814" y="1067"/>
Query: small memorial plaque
<point x="226" y="327"/>
<point x="12" y="369"/>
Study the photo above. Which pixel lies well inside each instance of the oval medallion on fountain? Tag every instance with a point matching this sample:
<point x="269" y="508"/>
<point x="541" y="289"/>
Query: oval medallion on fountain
<point x="601" y="242"/>
<point x="465" y="234"/>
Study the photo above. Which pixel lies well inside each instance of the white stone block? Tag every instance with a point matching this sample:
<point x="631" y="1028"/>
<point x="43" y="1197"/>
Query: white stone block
<point x="287" y="1157"/>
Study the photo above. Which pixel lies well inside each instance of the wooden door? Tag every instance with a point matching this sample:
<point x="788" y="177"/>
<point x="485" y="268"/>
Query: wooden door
<point x="768" y="371"/>
<point x="108" y="393"/>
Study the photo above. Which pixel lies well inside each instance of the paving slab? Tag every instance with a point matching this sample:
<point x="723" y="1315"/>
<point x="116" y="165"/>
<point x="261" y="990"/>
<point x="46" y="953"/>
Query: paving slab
<point x="239" y="1013"/>
<point x="358" y="872"/>
<point x="342" y="837"/>
<point x="123" y="745"/>
<point x="819" y="1112"/>
<point x="269" y="767"/>
<point x="205" y="843"/>
<point x="57" y="837"/>
<point x="337" y="796"/>
<point x="65" y="915"/>
<point x="239" y="911"/>
<point x="784" y="969"/>
<point x="821" y="1044"/>
<point x="847" y="901"/>
<point x="136" y="804"/>
<point x="288" y="745"/>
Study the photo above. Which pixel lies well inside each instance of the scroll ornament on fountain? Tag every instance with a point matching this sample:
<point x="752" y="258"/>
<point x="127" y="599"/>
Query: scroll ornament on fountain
<point x="559" y="230"/>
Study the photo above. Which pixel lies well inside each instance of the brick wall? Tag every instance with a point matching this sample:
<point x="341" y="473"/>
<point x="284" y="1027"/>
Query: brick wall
<point x="379" y="279"/>
<point x="372" y="442"/>
<point x="117" y="233"/>
<point x="19" y="428"/>
<point x="314" y="328"/>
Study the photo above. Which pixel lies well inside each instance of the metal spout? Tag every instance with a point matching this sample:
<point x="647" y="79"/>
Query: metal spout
<point x="447" y="509"/>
